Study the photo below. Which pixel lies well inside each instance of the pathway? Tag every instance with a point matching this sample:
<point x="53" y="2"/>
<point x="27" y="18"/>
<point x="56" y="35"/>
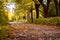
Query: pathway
<point x="22" y="31"/>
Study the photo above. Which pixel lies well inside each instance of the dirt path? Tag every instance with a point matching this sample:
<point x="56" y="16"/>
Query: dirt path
<point x="33" y="32"/>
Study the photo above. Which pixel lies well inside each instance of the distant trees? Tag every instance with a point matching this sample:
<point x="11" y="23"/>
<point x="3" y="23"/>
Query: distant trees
<point x="25" y="6"/>
<point x="56" y="6"/>
<point x="50" y="7"/>
<point x="46" y="7"/>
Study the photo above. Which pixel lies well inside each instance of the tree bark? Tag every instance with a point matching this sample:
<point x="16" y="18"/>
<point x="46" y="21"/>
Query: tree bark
<point x="45" y="8"/>
<point x="37" y="10"/>
<point x="31" y="15"/>
<point x="48" y="2"/>
<point x="45" y="11"/>
<point x="57" y="7"/>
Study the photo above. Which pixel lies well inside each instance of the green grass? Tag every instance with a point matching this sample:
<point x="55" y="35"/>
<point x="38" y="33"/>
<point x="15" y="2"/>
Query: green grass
<point x="52" y="20"/>
<point x="4" y="30"/>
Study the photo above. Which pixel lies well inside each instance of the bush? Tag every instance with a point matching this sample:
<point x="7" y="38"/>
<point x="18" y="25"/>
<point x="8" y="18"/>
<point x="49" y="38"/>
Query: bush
<point x="3" y="32"/>
<point x="52" y="20"/>
<point x="3" y="16"/>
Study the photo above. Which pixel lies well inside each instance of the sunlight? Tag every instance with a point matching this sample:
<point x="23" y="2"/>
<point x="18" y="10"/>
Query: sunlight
<point x="45" y="1"/>
<point x="11" y="7"/>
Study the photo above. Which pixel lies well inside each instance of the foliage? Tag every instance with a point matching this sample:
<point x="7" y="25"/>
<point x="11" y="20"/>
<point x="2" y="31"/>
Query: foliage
<point x="52" y="20"/>
<point x="4" y="30"/>
<point x="3" y="16"/>
<point x="22" y="7"/>
<point x="52" y="10"/>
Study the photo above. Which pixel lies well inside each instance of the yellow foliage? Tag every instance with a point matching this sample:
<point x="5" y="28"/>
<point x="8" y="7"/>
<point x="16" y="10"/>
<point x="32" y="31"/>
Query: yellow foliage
<point x="9" y="16"/>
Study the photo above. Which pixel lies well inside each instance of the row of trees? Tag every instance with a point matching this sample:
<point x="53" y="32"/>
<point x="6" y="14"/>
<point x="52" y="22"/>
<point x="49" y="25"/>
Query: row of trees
<point x="27" y="6"/>
<point x="46" y="7"/>
<point x="35" y="4"/>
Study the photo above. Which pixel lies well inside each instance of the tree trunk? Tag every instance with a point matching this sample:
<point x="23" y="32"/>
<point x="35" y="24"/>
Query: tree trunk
<point x="45" y="11"/>
<point x="48" y="2"/>
<point x="57" y="7"/>
<point x="31" y="15"/>
<point x="37" y="10"/>
<point x="45" y="8"/>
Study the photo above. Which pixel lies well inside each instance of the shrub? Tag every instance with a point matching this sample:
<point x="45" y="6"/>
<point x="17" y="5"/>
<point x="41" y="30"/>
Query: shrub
<point x="52" y="20"/>
<point x="3" y="32"/>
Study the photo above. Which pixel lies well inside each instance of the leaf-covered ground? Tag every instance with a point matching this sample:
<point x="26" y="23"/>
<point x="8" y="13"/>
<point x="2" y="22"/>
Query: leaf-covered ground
<point x="32" y="32"/>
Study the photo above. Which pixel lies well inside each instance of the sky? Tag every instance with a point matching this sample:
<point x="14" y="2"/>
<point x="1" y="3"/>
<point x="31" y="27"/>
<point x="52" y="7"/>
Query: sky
<point x="45" y="1"/>
<point x="11" y="7"/>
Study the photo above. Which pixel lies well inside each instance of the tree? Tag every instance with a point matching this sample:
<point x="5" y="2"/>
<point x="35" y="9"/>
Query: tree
<point x="45" y="8"/>
<point x="56" y="5"/>
<point x="37" y="4"/>
<point x="31" y="15"/>
<point x="37" y="10"/>
<point x="3" y="16"/>
<point x="26" y="6"/>
<point x="52" y="7"/>
<point x="59" y="7"/>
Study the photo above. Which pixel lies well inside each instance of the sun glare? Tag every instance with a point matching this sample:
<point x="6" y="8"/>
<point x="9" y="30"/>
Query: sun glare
<point x="11" y="7"/>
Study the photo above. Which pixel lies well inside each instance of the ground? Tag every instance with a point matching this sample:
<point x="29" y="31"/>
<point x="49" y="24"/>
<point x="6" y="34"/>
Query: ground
<point x="32" y="32"/>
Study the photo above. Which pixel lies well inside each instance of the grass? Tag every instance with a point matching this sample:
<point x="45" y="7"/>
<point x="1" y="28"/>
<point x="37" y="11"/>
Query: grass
<point x="52" y="20"/>
<point x="4" y="30"/>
